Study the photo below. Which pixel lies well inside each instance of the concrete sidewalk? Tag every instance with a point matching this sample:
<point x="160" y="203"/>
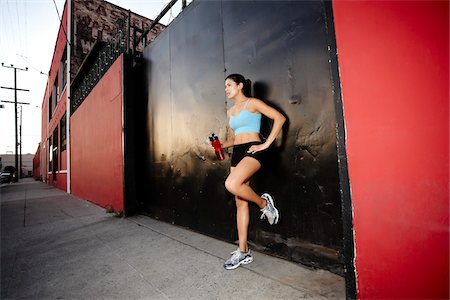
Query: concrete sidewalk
<point x="56" y="246"/>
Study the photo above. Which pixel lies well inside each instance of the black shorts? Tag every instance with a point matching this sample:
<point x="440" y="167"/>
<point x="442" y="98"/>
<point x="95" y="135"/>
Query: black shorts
<point x="240" y="151"/>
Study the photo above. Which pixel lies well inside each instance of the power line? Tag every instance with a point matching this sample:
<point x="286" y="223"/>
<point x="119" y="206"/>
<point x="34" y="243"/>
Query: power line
<point x="57" y="11"/>
<point x="18" y="27"/>
<point x="26" y="27"/>
<point x="25" y="59"/>
<point x="12" y="36"/>
<point x="60" y="23"/>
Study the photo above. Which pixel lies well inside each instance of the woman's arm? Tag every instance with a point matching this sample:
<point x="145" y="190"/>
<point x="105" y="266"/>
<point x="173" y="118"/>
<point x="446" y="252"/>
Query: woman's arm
<point x="278" y="121"/>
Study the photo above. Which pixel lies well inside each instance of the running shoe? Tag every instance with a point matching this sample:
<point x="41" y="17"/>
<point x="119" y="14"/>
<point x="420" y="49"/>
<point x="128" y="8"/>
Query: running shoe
<point x="238" y="258"/>
<point x="269" y="211"/>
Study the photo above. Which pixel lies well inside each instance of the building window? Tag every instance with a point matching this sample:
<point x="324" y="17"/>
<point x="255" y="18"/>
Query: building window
<point x="55" y="92"/>
<point x="62" y="127"/>
<point x="50" y="107"/>
<point x="63" y="72"/>
<point x="55" y="153"/>
<point x="50" y="153"/>
<point x="53" y="99"/>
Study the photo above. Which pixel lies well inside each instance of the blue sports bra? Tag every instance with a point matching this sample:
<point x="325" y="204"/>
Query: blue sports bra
<point x="245" y="121"/>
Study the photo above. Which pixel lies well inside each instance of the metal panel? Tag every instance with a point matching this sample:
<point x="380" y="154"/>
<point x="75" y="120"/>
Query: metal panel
<point x="187" y="103"/>
<point x="198" y="104"/>
<point x="158" y="123"/>
<point x="282" y="47"/>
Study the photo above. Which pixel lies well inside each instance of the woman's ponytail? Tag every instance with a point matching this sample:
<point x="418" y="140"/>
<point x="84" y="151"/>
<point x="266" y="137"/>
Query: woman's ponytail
<point x="247" y="90"/>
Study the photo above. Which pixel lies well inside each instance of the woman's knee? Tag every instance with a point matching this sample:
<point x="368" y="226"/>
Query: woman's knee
<point x="232" y="185"/>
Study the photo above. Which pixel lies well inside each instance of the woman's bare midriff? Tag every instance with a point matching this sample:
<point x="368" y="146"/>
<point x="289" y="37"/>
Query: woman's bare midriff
<point x="246" y="137"/>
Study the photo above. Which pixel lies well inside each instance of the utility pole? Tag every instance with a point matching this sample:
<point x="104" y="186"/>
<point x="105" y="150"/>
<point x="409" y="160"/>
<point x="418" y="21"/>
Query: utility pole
<point x="20" y="130"/>
<point x="15" y="111"/>
<point x="20" y="145"/>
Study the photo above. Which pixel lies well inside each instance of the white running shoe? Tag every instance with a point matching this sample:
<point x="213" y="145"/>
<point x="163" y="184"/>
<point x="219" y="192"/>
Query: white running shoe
<point x="238" y="258"/>
<point x="269" y="211"/>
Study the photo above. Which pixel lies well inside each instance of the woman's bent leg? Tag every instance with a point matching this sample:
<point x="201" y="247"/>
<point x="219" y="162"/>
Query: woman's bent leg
<point x="236" y="182"/>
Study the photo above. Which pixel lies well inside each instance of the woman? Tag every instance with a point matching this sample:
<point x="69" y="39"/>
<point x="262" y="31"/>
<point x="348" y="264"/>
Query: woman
<point x="248" y="155"/>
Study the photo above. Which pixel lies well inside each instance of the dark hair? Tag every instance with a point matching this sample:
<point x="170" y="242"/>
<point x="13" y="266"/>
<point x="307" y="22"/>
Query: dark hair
<point x="238" y="78"/>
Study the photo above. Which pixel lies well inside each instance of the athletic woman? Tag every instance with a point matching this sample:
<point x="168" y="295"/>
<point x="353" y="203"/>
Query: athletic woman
<point x="248" y="155"/>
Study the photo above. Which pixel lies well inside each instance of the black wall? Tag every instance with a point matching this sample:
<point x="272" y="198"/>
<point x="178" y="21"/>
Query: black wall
<point x="282" y="46"/>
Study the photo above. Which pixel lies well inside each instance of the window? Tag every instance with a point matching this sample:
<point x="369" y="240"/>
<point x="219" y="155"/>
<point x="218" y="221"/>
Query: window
<point x="55" y="153"/>
<point x="62" y="134"/>
<point x="63" y="72"/>
<point x="53" y="99"/>
<point x="50" y="154"/>
<point x="55" y="92"/>
<point x="50" y="107"/>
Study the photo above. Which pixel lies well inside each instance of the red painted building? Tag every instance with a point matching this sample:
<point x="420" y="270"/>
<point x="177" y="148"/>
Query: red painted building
<point x="97" y="155"/>
<point x="82" y="152"/>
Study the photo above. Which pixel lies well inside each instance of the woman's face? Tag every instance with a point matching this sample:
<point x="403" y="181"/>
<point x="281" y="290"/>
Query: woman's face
<point x="232" y="89"/>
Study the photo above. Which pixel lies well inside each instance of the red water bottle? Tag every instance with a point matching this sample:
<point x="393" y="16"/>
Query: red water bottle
<point x="217" y="146"/>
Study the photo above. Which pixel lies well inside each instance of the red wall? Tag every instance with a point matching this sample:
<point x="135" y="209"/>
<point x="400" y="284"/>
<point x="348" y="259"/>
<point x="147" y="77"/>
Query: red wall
<point x="96" y="143"/>
<point x="394" y="63"/>
<point x="61" y="176"/>
<point x="37" y="163"/>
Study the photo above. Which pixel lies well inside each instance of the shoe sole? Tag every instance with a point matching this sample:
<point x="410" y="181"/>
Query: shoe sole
<point x="277" y="215"/>
<point x="245" y="261"/>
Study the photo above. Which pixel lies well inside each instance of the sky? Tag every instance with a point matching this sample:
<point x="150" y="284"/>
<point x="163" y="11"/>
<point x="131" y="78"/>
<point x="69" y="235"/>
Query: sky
<point x="28" y="31"/>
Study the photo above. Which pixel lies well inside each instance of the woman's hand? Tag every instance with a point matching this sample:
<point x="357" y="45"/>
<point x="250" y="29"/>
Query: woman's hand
<point x="257" y="148"/>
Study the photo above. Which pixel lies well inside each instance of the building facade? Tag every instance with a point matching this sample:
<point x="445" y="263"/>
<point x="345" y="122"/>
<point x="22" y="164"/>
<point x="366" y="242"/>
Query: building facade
<point x="85" y="29"/>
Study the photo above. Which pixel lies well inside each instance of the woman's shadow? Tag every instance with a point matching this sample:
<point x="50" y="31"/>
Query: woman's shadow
<point x="261" y="90"/>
